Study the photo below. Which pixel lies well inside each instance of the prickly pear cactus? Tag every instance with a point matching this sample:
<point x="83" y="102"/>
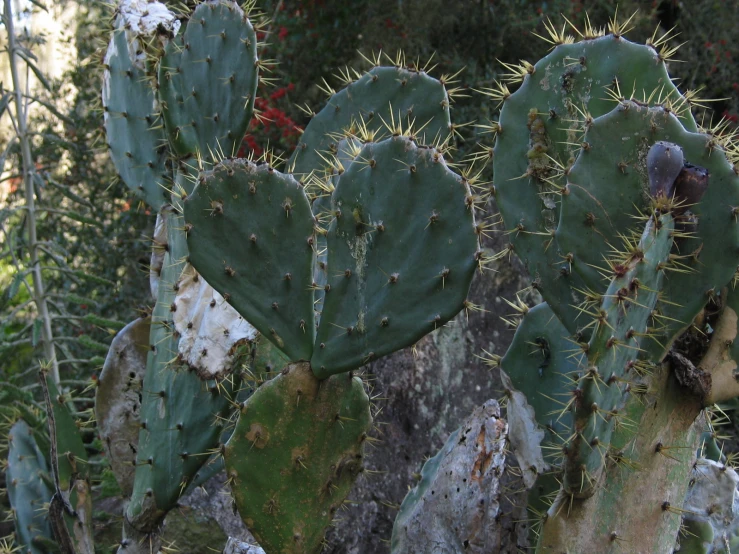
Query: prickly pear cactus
<point x="71" y="471"/>
<point x="384" y="94"/>
<point x="173" y="102"/>
<point x="295" y="454"/>
<point x="240" y="204"/>
<point x="382" y="101"/>
<point x="598" y="164"/>
<point x="403" y="228"/>
<point x="539" y="133"/>
<point x="29" y="489"/>
<point x="610" y="181"/>
<point x="624" y="211"/>
<point x="136" y="138"/>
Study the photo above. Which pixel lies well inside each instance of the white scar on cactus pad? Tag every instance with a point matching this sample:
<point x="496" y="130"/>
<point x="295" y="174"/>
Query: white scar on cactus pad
<point x="142" y="17"/>
<point x="210" y="329"/>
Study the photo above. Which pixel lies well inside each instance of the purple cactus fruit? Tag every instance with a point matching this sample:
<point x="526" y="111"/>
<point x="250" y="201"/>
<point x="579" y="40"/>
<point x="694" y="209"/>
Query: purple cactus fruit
<point x="664" y="163"/>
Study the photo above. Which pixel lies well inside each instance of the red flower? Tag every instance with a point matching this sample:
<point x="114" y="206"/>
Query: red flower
<point x="282" y="35"/>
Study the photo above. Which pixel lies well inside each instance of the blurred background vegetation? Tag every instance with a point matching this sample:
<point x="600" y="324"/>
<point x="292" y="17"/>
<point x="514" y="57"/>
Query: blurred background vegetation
<point x="95" y="235"/>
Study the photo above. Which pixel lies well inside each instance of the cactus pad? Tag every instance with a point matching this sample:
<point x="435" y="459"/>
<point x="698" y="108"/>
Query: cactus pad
<point x="621" y="322"/>
<point x="402" y="251"/>
<point x="208" y="80"/>
<point x="295" y="454"/>
<point x="540" y="130"/>
<point x="136" y="137"/>
<point x="27" y="478"/>
<point x="609" y="185"/>
<point x="251" y="236"/>
<point x="381" y="95"/>
<point x="180" y="412"/>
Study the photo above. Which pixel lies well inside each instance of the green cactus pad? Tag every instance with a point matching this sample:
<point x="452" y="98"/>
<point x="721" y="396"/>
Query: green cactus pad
<point x="27" y="480"/>
<point x="542" y="121"/>
<point x="208" y="80"/>
<point x="181" y="414"/>
<point x="608" y="186"/>
<point x="133" y="124"/>
<point x="71" y="453"/>
<point x="620" y="326"/>
<point x="381" y="95"/>
<point x="295" y="454"/>
<point x="539" y="364"/>
<point x="402" y="250"/>
<point x="251" y="236"/>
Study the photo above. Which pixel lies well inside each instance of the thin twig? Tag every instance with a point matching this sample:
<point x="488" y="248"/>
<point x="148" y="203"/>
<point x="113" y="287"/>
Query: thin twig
<point x="28" y="171"/>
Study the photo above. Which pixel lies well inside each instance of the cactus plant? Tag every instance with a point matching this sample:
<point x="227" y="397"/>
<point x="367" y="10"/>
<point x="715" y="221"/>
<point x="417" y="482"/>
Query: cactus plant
<point x="384" y="94"/>
<point x="219" y="46"/>
<point x="574" y="164"/>
<point x="181" y="407"/>
<point x="539" y="132"/>
<point x="596" y="185"/>
<point x="136" y="139"/>
<point x="70" y="508"/>
<point x="162" y="108"/>
<point x="29" y="489"/>
<point x="630" y="161"/>
<point x="282" y="282"/>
